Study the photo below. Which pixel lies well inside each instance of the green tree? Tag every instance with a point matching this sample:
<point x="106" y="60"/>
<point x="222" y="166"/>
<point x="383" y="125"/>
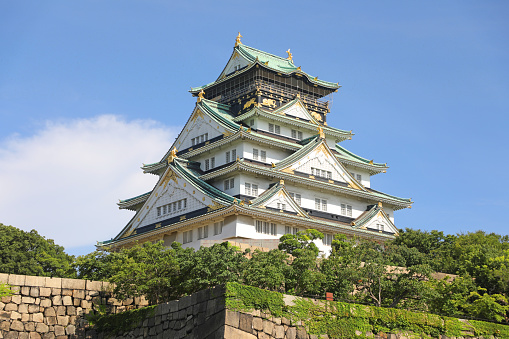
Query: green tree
<point x="485" y="306"/>
<point x="97" y="265"/>
<point x="210" y="266"/>
<point x="266" y="270"/>
<point x="303" y="276"/>
<point x="149" y="269"/>
<point x="32" y="254"/>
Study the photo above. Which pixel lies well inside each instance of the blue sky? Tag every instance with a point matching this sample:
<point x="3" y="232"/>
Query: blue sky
<point x="89" y="90"/>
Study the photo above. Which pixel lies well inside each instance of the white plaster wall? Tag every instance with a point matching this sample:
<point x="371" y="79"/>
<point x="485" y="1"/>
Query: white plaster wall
<point x="318" y="159"/>
<point x="229" y="229"/>
<point x="274" y="155"/>
<point x="263" y="184"/>
<point x="199" y="127"/>
<point x="366" y="179"/>
<point x="286" y="129"/>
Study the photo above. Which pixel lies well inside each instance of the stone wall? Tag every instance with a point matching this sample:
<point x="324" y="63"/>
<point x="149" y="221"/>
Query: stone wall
<point x="53" y="307"/>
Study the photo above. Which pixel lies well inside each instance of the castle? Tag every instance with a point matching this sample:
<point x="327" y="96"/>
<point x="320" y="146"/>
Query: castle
<point x="256" y="160"/>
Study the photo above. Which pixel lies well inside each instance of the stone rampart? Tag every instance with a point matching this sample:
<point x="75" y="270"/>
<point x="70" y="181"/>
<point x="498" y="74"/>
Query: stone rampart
<point x="53" y="307"/>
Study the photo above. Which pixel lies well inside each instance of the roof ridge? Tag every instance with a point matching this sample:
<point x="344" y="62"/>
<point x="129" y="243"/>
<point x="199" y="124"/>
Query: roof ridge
<point x="270" y="54"/>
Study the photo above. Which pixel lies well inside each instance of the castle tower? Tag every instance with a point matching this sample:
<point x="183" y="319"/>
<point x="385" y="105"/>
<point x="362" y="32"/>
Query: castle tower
<point x="255" y="160"/>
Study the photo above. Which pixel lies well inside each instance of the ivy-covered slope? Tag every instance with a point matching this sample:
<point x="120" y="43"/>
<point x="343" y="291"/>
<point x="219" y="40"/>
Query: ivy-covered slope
<point x="343" y="320"/>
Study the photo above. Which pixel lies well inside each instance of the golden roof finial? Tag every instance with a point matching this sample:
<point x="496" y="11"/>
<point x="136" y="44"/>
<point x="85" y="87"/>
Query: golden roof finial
<point x="371" y="162"/>
<point x="281" y="182"/>
<point x="321" y="133"/>
<point x="173" y="155"/>
<point x="379" y="204"/>
<point x="290" y="56"/>
<point x="237" y="40"/>
<point x="200" y="95"/>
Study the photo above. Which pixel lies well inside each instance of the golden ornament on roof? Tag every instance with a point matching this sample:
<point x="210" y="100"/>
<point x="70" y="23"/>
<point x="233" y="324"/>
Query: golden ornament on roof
<point x="173" y="155"/>
<point x="281" y="182"/>
<point x="321" y="133"/>
<point x="200" y="95"/>
<point x="237" y="40"/>
<point x="290" y="56"/>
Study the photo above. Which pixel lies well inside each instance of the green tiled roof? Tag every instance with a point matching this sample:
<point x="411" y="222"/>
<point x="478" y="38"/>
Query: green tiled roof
<point x="136" y="197"/>
<point x="352" y="156"/>
<point x="299" y="154"/>
<point x="220" y="112"/>
<point x="275" y="63"/>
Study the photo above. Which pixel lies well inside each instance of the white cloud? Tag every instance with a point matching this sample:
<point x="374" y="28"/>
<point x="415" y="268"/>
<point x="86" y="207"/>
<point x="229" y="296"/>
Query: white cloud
<point x="64" y="181"/>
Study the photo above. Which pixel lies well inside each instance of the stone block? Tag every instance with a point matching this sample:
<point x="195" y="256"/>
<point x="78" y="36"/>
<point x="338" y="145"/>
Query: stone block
<point x="35" y="281"/>
<point x="23" y="335"/>
<point x="301" y="333"/>
<point x="66" y="291"/>
<point x="56" y="291"/>
<point x="15" y="315"/>
<point x="246" y="322"/>
<point x="38" y="317"/>
<point x="15" y="279"/>
<point x="24" y="290"/>
<point x="35" y="335"/>
<point x="71" y="310"/>
<point x="67" y="300"/>
<point x="268" y="326"/>
<point x="41" y="328"/>
<point x="63" y="320"/>
<point x="59" y="330"/>
<point x="291" y="333"/>
<point x="45" y="303"/>
<point x="53" y="282"/>
<point x="86" y="304"/>
<point x="2" y="305"/>
<point x="232" y="318"/>
<point x="34" y="292"/>
<point x="231" y="332"/>
<point x="61" y="310"/>
<point x="74" y="284"/>
<point x="4" y="326"/>
<point x="70" y="330"/>
<point x="17" y="326"/>
<point x="44" y="292"/>
<point x="184" y="303"/>
<point x="4" y="278"/>
<point x="25" y="317"/>
<point x="56" y="300"/>
<point x="29" y="326"/>
<point x="258" y="324"/>
<point x="50" y="312"/>
<point x="28" y="300"/>
<point x="49" y="335"/>
<point x="51" y="321"/>
<point x="11" y="307"/>
<point x="16" y="299"/>
<point x="33" y="308"/>
<point x="263" y="335"/>
<point x="23" y="308"/>
<point x="279" y="331"/>
<point x="94" y="285"/>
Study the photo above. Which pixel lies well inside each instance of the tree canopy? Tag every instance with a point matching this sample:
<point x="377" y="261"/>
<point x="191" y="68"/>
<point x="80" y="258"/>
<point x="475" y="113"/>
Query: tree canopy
<point x="32" y="254"/>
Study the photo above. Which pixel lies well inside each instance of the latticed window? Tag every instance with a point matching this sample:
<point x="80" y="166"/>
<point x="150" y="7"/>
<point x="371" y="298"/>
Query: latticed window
<point x="255" y="154"/>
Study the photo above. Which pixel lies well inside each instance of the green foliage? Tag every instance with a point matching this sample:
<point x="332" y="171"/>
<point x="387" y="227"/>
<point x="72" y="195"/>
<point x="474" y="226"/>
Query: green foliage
<point x="342" y="320"/>
<point x="5" y="290"/>
<point x="97" y="265"/>
<point x="267" y="270"/>
<point x="29" y="253"/>
<point x="485" y="306"/>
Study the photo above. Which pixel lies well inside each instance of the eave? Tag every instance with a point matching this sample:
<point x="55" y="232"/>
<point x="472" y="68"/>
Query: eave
<point x="370" y="194"/>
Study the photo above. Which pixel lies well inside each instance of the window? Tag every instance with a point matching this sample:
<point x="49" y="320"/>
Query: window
<point x="199" y="139"/>
<point x="247" y="188"/>
<point x="380" y="227"/>
<point x="346" y="210"/>
<point x="359" y="177"/>
<point x="296" y="134"/>
<point x="288" y="230"/>
<point x="212" y="162"/>
<point x="255" y="154"/>
<point x="207" y="164"/>
<point x="255" y="190"/>
<point x="327" y="239"/>
<point x="233" y="155"/>
<point x="229" y="184"/>
<point x="251" y="122"/>
<point x="265" y="227"/>
<point x="296" y="197"/>
<point x="218" y="227"/>
<point x="275" y="129"/>
<point x="187" y="237"/>
<point x="295" y="230"/>
<point x="172" y="207"/>
<point x="281" y="206"/>
<point x="320" y="204"/>
<point x="263" y="156"/>
<point x="203" y="232"/>
<point x="321" y="173"/>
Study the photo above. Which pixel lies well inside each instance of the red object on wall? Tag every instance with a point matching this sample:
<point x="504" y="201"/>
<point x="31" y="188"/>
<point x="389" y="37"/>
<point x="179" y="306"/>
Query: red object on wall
<point x="329" y="296"/>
